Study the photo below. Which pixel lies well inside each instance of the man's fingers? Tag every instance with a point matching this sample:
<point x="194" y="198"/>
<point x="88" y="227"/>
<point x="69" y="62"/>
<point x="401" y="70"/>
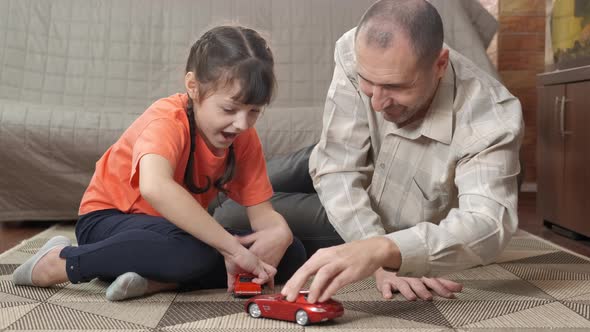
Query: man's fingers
<point x="451" y="285"/>
<point x="333" y="286"/>
<point x="386" y="290"/>
<point x="321" y="280"/>
<point x="293" y="285"/>
<point x="438" y="287"/>
<point x="309" y="268"/>
<point x="420" y="289"/>
<point x="404" y="288"/>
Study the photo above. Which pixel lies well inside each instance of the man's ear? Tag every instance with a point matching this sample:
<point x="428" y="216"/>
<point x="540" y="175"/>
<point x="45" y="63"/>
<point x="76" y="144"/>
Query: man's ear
<point x="191" y="85"/>
<point x="442" y="62"/>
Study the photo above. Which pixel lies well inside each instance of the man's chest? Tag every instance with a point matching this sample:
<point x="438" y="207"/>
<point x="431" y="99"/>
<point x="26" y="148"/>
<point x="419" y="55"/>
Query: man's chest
<point x="413" y="181"/>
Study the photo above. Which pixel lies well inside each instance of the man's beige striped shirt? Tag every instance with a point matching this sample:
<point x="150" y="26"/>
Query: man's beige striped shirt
<point x="444" y="188"/>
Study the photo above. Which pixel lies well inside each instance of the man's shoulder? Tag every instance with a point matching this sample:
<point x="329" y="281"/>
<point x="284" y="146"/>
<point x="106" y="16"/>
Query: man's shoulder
<point x="484" y="107"/>
<point x="347" y="39"/>
<point x="344" y="52"/>
<point x="470" y="76"/>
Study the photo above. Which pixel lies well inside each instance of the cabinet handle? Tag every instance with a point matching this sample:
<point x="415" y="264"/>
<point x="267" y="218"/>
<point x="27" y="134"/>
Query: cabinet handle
<point x="562" y="117"/>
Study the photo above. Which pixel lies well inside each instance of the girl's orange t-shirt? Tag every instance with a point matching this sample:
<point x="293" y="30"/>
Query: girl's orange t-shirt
<point x="163" y="129"/>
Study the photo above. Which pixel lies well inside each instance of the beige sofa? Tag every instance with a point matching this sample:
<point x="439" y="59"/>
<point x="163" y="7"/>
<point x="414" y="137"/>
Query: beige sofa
<point x="75" y="74"/>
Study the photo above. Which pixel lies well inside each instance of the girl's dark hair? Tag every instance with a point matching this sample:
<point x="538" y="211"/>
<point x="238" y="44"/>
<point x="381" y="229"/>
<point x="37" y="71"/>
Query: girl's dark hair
<point x="223" y="56"/>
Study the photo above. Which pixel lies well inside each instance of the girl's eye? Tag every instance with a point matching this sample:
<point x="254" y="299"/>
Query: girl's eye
<point x="227" y="110"/>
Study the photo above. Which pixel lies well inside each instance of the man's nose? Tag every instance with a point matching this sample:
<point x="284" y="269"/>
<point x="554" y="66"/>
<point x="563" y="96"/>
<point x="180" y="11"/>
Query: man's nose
<point x="379" y="99"/>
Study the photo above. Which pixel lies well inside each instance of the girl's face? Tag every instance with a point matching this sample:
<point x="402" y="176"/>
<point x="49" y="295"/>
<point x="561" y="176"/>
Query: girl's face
<point x="220" y="119"/>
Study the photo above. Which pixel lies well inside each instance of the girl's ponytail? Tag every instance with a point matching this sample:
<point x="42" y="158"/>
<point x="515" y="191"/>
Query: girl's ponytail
<point x="188" y="172"/>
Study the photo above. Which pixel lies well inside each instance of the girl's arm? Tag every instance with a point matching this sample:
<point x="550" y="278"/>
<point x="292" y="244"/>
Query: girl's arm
<point x="272" y="236"/>
<point x="263" y="216"/>
<point x="173" y="202"/>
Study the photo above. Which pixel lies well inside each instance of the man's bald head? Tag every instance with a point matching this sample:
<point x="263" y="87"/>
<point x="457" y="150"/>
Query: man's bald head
<point x="416" y="20"/>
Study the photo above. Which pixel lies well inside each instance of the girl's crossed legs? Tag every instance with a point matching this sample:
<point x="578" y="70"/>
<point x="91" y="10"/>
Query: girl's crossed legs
<point x="112" y="243"/>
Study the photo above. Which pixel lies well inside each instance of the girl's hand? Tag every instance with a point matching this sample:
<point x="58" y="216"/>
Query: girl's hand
<point x="269" y="244"/>
<point x="413" y="288"/>
<point x="246" y="261"/>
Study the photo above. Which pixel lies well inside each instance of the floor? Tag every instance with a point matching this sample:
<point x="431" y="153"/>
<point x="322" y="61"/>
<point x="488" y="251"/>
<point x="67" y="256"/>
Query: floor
<point x="528" y="221"/>
<point x="11" y="233"/>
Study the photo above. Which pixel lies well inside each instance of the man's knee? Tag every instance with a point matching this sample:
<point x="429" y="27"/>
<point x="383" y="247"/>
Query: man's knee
<point x="294" y="257"/>
<point x="232" y="215"/>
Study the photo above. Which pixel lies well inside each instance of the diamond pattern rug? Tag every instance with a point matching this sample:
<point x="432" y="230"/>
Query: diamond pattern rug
<point x="533" y="286"/>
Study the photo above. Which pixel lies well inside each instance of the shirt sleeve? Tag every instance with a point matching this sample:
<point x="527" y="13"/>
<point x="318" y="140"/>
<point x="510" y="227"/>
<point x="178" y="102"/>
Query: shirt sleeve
<point x="163" y="137"/>
<point x="478" y="230"/>
<point x="251" y="185"/>
<point x="340" y="165"/>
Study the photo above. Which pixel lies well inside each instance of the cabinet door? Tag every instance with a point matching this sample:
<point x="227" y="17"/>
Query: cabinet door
<point x="549" y="154"/>
<point x="576" y="137"/>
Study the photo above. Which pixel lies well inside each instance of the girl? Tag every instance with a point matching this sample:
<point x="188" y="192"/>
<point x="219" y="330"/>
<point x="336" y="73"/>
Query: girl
<point x="142" y="219"/>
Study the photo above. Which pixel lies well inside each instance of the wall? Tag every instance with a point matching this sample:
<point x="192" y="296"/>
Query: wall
<point x="492" y="7"/>
<point x="518" y="52"/>
<point x="521" y="45"/>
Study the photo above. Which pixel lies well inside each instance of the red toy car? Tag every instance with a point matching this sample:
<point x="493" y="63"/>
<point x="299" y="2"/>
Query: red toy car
<point x="277" y="307"/>
<point x="243" y="286"/>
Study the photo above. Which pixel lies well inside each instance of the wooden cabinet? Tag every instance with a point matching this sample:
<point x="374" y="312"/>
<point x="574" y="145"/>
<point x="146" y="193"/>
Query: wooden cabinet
<point x="563" y="150"/>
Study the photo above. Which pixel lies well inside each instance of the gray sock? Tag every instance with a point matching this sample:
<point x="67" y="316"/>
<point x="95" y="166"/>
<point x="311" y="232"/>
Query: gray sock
<point x="126" y="286"/>
<point x="23" y="274"/>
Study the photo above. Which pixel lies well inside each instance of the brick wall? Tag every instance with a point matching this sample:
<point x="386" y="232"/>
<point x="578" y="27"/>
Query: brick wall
<point x="492" y="7"/>
<point x="518" y="53"/>
<point x="521" y="45"/>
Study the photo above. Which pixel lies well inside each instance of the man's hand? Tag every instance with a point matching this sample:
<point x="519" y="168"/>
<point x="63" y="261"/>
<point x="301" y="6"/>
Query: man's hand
<point x="413" y="288"/>
<point x="338" y="266"/>
<point x="269" y="244"/>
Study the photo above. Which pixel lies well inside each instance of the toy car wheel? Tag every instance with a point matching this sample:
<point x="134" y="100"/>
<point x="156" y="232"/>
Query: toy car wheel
<point x="301" y="317"/>
<point x="254" y="310"/>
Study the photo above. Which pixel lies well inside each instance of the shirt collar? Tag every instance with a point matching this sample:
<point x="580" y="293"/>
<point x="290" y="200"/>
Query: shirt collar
<point x="438" y="122"/>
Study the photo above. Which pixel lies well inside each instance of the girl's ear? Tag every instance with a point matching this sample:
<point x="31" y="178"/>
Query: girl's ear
<point x="191" y="85"/>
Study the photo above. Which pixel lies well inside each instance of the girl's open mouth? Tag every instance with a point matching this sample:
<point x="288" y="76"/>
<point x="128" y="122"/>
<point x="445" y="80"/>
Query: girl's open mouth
<point x="229" y="136"/>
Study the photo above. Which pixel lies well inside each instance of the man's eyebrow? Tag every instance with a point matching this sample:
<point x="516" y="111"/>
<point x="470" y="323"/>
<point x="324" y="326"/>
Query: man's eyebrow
<point x="390" y="85"/>
<point x="361" y="76"/>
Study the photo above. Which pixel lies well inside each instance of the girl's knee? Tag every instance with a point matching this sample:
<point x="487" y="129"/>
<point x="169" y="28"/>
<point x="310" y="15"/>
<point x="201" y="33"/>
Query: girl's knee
<point x="191" y="259"/>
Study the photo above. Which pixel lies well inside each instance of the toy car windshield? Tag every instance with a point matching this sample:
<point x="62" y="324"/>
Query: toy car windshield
<point x="246" y="279"/>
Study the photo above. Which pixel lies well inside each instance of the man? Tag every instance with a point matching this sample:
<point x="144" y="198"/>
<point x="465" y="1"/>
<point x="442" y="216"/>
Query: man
<point x="417" y="163"/>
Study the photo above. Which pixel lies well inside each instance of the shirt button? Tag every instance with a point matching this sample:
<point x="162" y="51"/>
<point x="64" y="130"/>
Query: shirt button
<point x="71" y="267"/>
<point x="382" y="165"/>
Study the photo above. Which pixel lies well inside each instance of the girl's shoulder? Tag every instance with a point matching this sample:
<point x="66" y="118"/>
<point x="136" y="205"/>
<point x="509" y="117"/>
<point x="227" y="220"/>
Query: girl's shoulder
<point x="172" y="107"/>
<point x="248" y="142"/>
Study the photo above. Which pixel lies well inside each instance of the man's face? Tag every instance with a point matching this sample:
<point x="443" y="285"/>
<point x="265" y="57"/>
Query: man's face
<point x="392" y="78"/>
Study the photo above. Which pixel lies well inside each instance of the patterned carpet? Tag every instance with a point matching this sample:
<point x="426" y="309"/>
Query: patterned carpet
<point x="534" y="286"/>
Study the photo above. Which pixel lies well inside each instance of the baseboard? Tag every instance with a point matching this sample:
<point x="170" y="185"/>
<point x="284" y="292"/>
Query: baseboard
<point x="528" y="187"/>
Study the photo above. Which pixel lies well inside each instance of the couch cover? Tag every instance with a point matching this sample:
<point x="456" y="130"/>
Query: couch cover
<point x="75" y="74"/>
